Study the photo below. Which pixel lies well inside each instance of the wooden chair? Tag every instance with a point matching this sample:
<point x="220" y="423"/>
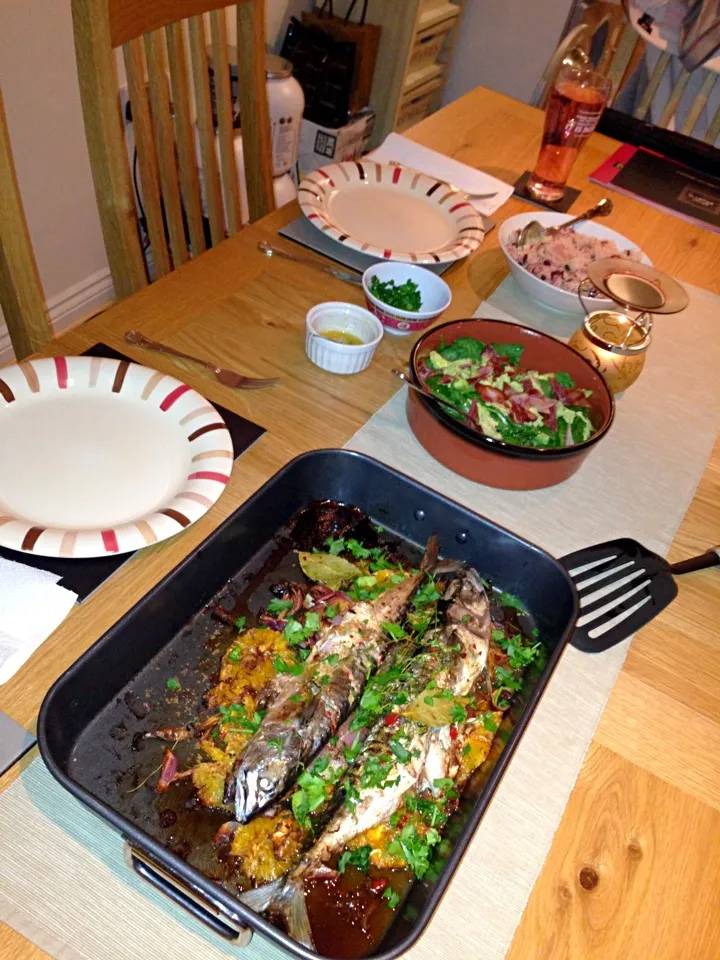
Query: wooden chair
<point x="670" y="109"/>
<point x="21" y="294"/>
<point x="153" y="35"/>
<point x="621" y="52"/>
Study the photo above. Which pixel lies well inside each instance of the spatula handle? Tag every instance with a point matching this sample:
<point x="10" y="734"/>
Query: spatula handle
<point x="709" y="559"/>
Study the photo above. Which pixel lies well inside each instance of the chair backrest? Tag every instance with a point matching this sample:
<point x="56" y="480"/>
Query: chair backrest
<point x="669" y="115"/>
<point x="166" y="105"/>
<point x="21" y="294"/>
<point x="621" y="51"/>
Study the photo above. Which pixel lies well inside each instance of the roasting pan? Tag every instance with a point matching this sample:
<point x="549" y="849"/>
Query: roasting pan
<point x="90" y="719"/>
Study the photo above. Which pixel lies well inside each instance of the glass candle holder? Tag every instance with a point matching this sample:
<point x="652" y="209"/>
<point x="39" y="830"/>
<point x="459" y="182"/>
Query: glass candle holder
<point x="614" y="345"/>
<point x="611" y="340"/>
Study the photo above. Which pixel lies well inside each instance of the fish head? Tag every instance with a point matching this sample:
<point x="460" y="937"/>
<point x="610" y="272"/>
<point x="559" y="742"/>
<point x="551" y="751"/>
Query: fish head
<point x="267" y="768"/>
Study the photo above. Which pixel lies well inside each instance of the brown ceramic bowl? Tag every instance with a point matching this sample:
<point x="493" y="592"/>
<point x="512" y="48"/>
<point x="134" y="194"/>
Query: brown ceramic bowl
<point x="497" y="463"/>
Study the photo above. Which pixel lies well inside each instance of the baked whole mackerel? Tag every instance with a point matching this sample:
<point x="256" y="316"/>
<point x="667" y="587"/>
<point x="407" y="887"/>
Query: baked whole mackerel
<point x="306" y="711"/>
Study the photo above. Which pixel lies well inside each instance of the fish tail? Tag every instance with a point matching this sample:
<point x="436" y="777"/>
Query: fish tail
<point x="285" y="897"/>
<point x="430" y="557"/>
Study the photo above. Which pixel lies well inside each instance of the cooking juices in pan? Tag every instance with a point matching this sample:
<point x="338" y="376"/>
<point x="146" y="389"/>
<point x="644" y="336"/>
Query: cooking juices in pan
<point x="397" y="776"/>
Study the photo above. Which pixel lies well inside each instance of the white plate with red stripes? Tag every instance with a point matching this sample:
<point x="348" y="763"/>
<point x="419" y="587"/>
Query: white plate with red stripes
<point x="100" y="457"/>
<point x="392" y="212"/>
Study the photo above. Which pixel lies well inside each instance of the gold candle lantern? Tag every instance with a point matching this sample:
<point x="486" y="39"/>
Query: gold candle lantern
<point x="611" y="340"/>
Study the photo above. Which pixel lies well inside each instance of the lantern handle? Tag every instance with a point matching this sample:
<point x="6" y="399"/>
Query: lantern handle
<point x="582" y="302"/>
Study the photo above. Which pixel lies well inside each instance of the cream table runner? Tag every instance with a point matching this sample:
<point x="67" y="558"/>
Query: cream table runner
<point x="63" y="883"/>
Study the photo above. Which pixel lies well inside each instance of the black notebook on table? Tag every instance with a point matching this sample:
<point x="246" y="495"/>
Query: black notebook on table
<point x="663" y="183"/>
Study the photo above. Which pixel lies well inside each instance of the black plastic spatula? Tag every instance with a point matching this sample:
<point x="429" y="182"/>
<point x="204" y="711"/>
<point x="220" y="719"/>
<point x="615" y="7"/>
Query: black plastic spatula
<point x="622" y="586"/>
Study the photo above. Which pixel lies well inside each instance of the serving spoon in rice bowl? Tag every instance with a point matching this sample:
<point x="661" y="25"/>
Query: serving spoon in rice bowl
<point x="535" y="230"/>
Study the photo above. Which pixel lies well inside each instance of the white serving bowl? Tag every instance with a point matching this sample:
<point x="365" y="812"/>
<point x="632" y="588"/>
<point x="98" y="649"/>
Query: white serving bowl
<point x="348" y="318"/>
<point x="435" y="296"/>
<point x="545" y="292"/>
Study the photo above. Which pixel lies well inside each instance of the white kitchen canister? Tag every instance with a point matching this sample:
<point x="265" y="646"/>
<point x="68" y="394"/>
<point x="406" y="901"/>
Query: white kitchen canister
<point x="286" y="102"/>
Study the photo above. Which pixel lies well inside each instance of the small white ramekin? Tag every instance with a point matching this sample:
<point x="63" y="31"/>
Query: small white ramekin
<point x="341" y="357"/>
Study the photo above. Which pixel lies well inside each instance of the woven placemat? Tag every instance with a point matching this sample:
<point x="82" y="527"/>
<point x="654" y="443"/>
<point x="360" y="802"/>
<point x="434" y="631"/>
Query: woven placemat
<point x="63" y="881"/>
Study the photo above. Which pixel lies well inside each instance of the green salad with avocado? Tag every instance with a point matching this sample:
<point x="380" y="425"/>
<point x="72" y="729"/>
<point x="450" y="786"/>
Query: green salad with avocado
<point x="502" y="399"/>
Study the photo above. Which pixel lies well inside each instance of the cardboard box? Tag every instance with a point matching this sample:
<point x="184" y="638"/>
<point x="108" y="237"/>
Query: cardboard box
<point x="322" y="145"/>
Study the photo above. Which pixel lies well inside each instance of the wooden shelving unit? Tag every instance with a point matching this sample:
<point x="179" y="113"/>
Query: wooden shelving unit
<point x="413" y="60"/>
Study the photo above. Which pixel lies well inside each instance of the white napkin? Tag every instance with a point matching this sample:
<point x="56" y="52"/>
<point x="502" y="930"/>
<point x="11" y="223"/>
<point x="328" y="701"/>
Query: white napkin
<point x="32" y="605"/>
<point x="404" y="151"/>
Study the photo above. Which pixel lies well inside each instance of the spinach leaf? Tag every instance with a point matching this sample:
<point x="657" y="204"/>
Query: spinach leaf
<point x="565" y="380"/>
<point x="464" y="348"/>
<point x="513" y="351"/>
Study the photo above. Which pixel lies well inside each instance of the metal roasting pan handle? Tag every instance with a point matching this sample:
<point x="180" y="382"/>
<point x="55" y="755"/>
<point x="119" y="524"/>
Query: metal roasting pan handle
<point x="206" y="913"/>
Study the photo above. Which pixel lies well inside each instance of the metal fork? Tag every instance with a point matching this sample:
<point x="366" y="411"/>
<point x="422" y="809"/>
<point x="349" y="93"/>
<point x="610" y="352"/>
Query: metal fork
<point x="227" y="377"/>
<point x="271" y="251"/>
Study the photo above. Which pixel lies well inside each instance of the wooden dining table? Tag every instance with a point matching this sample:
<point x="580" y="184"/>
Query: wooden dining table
<point x="634" y="869"/>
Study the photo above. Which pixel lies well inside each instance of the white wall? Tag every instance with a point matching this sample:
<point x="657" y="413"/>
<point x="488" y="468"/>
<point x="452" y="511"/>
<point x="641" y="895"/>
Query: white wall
<point x="505" y="45"/>
<point x="42" y="103"/>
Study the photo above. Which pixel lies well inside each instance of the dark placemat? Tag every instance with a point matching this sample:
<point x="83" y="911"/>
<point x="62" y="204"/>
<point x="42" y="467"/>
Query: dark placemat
<point x="85" y="576"/>
<point x="303" y="232"/>
<point x="561" y="206"/>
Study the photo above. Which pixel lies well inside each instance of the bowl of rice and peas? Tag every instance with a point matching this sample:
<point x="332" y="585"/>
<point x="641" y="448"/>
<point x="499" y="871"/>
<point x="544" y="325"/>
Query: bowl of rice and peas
<point x="551" y="268"/>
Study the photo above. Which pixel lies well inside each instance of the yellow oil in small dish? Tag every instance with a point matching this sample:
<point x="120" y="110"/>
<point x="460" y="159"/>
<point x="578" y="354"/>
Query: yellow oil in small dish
<point x="342" y="336"/>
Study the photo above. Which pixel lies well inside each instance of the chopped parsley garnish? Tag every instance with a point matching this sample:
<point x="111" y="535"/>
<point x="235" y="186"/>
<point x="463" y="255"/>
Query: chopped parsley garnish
<point x="331" y="612"/>
<point x="428" y="593"/>
<point x="507" y="679"/>
<point x="240" y="623"/>
<point x="431" y="811"/>
<point x="237" y="720"/>
<point x="366" y="588"/>
<point x="235" y="654"/>
<point x="296" y="698"/>
<point x="375" y="773"/>
<point x="296" y="632"/>
<point x="335" y="547"/>
<point x="398" y="750"/>
<point x="466" y="749"/>
<point x="358" y="551"/>
<point x="173" y="683"/>
<point x="458" y="713"/>
<point x="283" y="666"/>
<point x="312" y="790"/>
<point x="332" y="659"/>
<point x="278" y="606"/>
<point x="353" y="750"/>
<point x="489" y="722"/>
<point x="506" y="599"/>
<point x="404" y="296"/>
<point x="393" y="898"/>
<point x="415" y="848"/>
<point x="443" y="783"/>
<point x="498" y="635"/>
<point x="359" y="858"/>
<point x="394" y="630"/>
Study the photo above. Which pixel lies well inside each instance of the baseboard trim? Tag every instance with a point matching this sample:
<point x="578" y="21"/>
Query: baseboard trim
<point x="68" y="307"/>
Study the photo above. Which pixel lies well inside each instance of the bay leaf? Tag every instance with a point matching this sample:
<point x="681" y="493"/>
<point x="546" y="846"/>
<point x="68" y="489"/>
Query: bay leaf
<point x="328" y="569"/>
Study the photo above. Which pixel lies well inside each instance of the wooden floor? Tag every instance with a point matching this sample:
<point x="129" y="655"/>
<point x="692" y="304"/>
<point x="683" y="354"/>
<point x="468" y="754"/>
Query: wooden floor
<point x="634" y="871"/>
